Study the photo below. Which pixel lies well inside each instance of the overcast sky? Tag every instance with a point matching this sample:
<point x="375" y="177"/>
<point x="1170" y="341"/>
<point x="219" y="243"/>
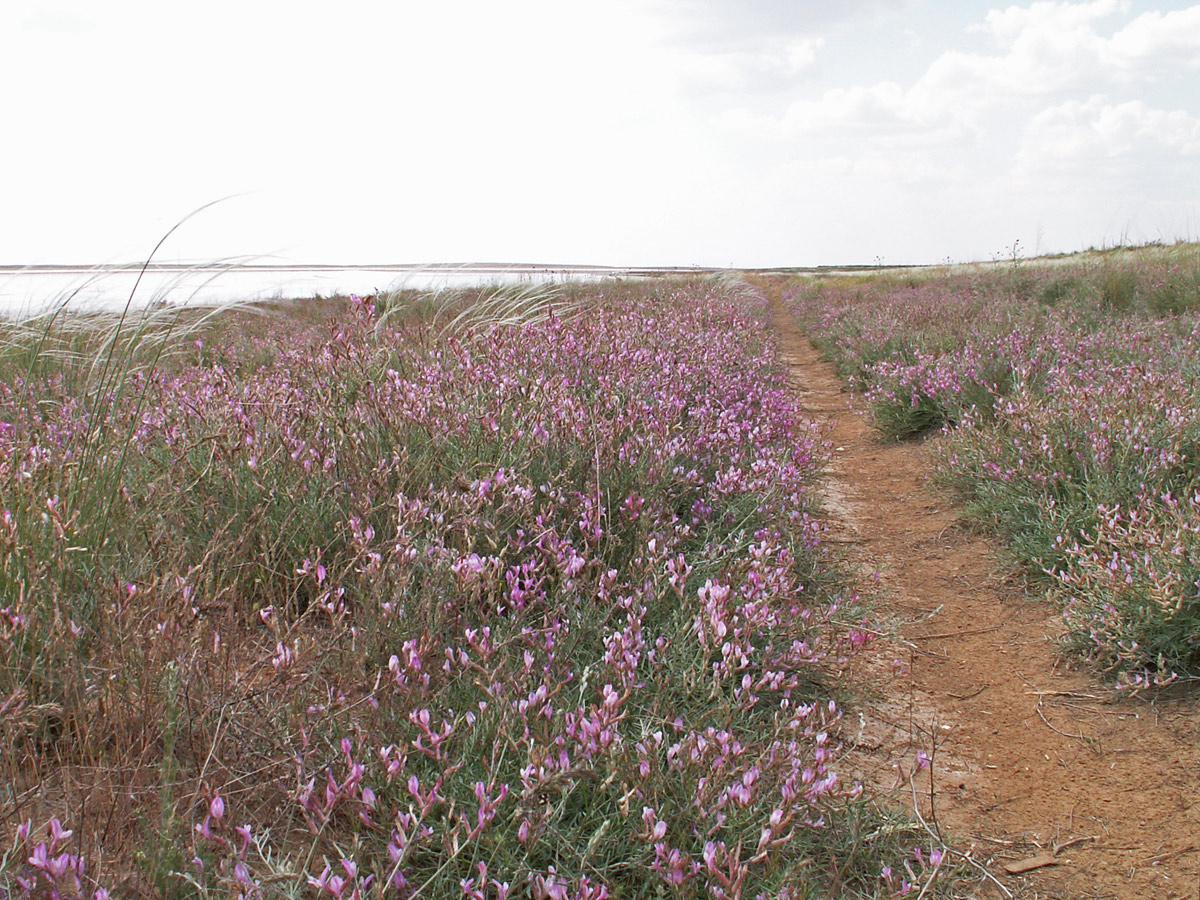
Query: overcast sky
<point x="626" y="132"/>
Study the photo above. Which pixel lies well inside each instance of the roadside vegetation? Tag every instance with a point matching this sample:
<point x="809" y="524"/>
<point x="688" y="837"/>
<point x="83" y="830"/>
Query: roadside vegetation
<point x="1065" y="394"/>
<point x="506" y="595"/>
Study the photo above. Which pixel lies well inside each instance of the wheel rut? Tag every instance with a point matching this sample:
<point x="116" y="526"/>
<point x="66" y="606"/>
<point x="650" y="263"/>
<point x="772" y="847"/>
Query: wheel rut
<point x="1034" y="760"/>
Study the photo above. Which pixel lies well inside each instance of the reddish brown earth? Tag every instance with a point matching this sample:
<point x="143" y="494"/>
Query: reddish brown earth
<point x="1034" y="760"/>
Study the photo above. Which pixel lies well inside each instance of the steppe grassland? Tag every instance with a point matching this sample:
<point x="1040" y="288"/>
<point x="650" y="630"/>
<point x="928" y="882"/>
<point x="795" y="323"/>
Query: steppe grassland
<point x="475" y="597"/>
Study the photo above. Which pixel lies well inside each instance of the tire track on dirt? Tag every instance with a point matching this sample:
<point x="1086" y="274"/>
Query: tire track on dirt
<point x="1032" y="760"/>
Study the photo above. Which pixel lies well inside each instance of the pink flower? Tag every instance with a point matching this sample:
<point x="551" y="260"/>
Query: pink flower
<point x="57" y="832"/>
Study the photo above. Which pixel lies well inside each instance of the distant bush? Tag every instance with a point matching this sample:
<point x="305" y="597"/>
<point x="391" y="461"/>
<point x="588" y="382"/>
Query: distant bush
<point x="1174" y="292"/>
<point x="1118" y="288"/>
<point x="1057" y="289"/>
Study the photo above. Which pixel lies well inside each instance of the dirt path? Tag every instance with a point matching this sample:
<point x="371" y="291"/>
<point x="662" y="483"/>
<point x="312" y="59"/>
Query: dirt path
<point x="1031" y="759"/>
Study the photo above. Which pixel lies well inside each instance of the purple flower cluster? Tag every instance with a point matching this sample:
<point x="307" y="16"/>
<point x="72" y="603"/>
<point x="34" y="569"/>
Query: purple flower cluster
<point x="46" y="870"/>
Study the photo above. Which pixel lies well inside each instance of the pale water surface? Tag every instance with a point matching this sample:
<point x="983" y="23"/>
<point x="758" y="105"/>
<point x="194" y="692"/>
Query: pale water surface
<point x="28" y="290"/>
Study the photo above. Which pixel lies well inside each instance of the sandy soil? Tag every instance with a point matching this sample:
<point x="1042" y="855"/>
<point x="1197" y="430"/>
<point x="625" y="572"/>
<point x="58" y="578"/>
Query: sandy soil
<point x="1034" y="761"/>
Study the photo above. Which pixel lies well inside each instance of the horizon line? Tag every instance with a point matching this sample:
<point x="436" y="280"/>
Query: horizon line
<point x="440" y="266"/>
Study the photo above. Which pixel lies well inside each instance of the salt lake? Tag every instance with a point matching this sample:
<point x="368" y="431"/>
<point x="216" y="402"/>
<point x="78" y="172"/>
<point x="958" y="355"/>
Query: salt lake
<point x="31" y="289"/>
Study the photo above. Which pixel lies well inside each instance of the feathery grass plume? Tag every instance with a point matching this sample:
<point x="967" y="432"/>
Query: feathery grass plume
<point x="75" y="383"/>
<point x="448" y="309"/>
<point x="736" y="285"/>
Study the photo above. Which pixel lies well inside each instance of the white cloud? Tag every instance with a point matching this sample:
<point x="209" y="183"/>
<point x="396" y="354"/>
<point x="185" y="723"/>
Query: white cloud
<point x="1048" y="122"/>
<point x="750" y="48"/>
<point x="776" y="65"/>
<point x="1048" y="49"/>
<point x="1157" y="41"/>
<point x="875" y="107"/>
<point x="1014" y="24"/>
<point x="1098" y="131"/>
<point x="720" y="25"/>
<point x="1052" y="46"/>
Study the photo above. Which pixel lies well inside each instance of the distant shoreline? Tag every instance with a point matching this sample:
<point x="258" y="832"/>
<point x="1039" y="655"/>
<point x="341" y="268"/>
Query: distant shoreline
<point x="474" y="267"/>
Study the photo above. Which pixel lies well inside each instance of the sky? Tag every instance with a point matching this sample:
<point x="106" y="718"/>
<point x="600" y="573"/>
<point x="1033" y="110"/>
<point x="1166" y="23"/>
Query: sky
<point x="745" y="133"/>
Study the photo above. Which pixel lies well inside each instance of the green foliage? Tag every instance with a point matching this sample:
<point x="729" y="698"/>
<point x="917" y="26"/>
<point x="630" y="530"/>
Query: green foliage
<point x="901" y="418"/>
<point x="1058" y="289"/>
<point x="1118" y="288"/>
<point x="1175" y="293"/>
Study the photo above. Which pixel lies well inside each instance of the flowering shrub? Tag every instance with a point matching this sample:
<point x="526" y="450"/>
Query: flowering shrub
<point x="1070" y="411"/>
<point x="528" y="610"/>
<point x="1131" y="589"/>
